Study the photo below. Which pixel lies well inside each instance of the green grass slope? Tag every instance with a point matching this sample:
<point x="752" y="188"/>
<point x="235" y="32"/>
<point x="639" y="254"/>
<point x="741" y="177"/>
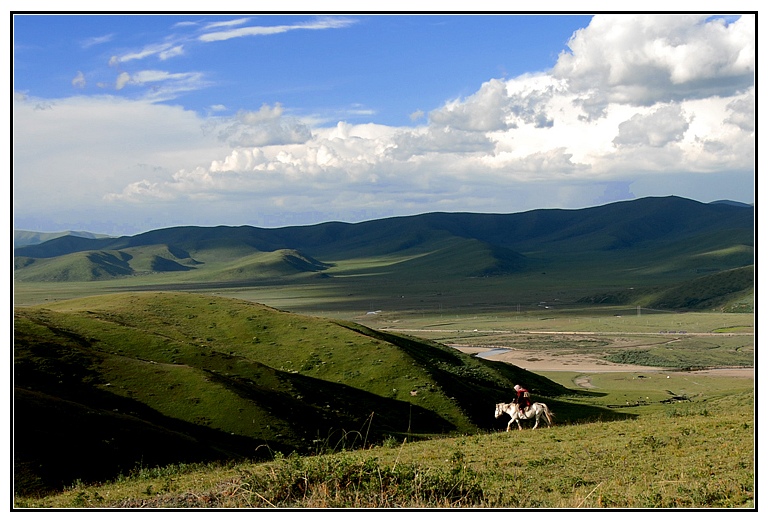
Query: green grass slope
<point x="646" y="243"/>
<point x="462" y="258"/>
<point x="155" y="378"/>
<point x="727" y="291"/>
<point x="224" y="261"/>
<point x="78" y="266"/>
<point x="100" y="265"/>
<point x="714" y="291"/>
<point x="282" y="263"/>
<point x="690" y="456"/>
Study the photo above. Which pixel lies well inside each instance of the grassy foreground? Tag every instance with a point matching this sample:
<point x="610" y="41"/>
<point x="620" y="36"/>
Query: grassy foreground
<point x="692" y="455"/>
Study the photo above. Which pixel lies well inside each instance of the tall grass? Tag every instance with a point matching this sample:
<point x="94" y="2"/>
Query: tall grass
<point x="698" y="455"/>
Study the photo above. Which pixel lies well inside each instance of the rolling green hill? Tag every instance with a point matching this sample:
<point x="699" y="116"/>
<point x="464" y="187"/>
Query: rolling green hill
<point x="275" y="264"/>
<point x="108" y="382"/>
<point x="644" y="244"/>
<point x="728" y="290"/>
<point x="721" y="290"/>
<point x="78" y="266"/>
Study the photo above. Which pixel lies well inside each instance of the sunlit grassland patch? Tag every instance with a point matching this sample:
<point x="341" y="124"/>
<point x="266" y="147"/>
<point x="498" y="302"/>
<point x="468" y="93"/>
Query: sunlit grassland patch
<point x="685" y="355"/>
<point x="699" y="457"/>
<point x="737" y="329"/>
<point x="595" y="319"/>
<point x="727" y="252"/>
<point x="189" y="394"/>
<point x="647" y="392"/>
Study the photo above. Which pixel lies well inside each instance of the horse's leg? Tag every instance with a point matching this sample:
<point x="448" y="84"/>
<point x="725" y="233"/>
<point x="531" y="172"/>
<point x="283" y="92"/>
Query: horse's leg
<point x="548" y="416"/>
<point x="509" y="425"/>
<point x="537" y="421"/>
<point x="519" y="427"/>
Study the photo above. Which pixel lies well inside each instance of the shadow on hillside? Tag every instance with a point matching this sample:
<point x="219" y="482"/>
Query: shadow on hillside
<point x="320" y="409"/>
<point x="58" y="442"/>
<point x="566" y="413"/>
<point x="477" y="384"/>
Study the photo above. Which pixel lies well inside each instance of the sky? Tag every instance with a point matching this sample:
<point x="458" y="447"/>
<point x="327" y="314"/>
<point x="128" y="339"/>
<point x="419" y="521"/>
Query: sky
<point x="127" y="123"/>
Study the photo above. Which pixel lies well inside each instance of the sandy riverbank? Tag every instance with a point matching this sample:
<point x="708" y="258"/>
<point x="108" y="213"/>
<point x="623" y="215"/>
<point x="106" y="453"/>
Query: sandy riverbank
<point x="537" y="361"/>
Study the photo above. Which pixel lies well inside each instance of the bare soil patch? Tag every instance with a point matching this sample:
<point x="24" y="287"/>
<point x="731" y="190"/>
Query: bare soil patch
<point x="536" y="361"/>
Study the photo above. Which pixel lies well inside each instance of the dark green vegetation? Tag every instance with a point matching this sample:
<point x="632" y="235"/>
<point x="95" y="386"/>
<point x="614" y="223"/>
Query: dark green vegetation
<point x="725" y="290"/>
<point x="641" y="252"/>
<point x="159" y="378"/>
<point x="690" y="455"/>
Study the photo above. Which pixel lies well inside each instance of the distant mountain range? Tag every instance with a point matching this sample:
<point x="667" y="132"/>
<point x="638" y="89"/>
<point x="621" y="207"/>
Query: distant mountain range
<point x="657" y="240"/>
<point x="22" y="238"/>
<point x="731" y="202"/>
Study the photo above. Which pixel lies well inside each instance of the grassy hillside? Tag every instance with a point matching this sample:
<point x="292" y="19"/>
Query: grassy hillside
<point x="282" y="263"/>
<point x="78" y="266"/>
<point x="719" y="290"/>
<point x="224" y="261"/>
<point x="728" y="290"/>
<point x="155" y="378"/>
<point x="697" y="455"/>
<point x="645" y="242"/>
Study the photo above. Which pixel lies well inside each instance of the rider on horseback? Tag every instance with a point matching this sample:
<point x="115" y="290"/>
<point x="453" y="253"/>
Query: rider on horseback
<point x="523" y="398"/>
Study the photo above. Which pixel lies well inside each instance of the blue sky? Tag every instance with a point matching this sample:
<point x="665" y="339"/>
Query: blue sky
<point x="356" y="68"/>
<point x="128" y="123"/>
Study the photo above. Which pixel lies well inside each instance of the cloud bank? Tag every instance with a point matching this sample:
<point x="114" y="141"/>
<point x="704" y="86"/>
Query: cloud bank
<point x="635" y="106"/>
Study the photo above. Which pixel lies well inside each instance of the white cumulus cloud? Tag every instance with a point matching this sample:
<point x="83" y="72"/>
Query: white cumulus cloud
<point x="613" y="110"/>
<point x="267" y="126"/>
<point x="660" y="127"/>
<point x="638" y="105"/>
<point x="647" y="58"/>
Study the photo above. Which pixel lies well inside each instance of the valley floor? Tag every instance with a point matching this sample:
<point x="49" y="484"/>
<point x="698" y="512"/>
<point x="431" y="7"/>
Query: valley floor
<point x="540" y="361"/>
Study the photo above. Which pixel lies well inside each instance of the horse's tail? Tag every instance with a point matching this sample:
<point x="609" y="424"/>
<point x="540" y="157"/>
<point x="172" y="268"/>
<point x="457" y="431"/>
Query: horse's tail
<point x="549" y="414"/>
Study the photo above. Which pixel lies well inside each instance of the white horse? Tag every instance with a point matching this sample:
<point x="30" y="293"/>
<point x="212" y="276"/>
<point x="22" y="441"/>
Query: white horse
<point x="534" y="411"/>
